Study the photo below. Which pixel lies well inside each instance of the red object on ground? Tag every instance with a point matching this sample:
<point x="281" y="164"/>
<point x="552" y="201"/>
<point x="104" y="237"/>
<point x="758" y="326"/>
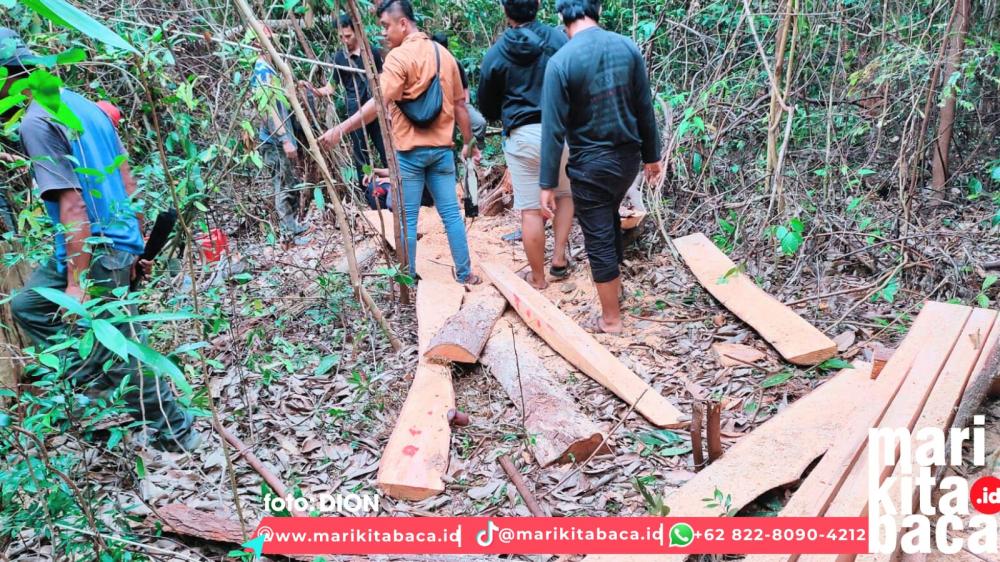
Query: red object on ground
<point x="213" y="244"/>
<point x="111" y="111"/>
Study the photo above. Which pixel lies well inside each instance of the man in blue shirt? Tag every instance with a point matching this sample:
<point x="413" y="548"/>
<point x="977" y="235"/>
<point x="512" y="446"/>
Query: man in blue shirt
<point x="84" y="181"/>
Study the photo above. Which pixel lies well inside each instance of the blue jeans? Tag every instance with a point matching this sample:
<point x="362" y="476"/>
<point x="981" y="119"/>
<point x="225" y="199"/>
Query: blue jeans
<point x="435" y="168"/>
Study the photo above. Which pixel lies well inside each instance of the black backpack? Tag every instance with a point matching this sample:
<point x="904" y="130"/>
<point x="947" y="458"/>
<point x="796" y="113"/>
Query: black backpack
<point x="425" y="108"/>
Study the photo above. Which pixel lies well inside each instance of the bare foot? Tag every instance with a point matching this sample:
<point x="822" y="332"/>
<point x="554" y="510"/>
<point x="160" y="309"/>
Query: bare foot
<point x="607" y="328"/>
<point x="527" y="276"/>
<point x="597" y="325"/>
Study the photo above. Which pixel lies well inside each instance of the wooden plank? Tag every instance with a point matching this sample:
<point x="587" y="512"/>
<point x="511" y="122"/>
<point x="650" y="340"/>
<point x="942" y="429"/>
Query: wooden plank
<point x="416" y="455"/>
<point x="581" y="349"/>
<point x="561" y="432"/>
<point x="978" y="339"/>
<point x="793" y="439"/>
<point x="462" y="337"/>
<point x="850" y="493"/>
<point x="794" y="338"/>
<point x="937" y="322"/>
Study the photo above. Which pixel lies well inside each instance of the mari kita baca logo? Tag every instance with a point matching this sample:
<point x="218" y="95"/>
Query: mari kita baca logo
<point x="902" y="509"/>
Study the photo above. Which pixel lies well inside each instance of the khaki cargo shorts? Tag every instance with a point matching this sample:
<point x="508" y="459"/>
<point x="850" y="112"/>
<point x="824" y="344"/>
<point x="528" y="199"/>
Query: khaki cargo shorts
<point x="523" y="151"/>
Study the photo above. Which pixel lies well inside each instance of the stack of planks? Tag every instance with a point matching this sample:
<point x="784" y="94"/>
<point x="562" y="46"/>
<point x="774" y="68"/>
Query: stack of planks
<point x="938" y="376"/>
<point x="459" y="327"/>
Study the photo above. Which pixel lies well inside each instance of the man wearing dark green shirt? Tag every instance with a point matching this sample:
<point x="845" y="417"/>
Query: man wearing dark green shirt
<point x="596" y="98"/>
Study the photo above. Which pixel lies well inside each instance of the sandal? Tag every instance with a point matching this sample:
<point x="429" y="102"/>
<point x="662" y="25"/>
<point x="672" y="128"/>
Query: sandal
<point x="472" y="279"/>
<point x="559" y="271"/>
<point x="592" y="324"/>
<point x="526" y="275"/>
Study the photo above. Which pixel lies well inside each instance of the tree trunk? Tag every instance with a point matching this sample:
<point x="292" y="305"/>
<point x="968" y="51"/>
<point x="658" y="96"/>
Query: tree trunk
<point x="464" y="335"/>
<point x="12" y="340"/>
<point x="558" y="431"/>
<point x="946" y="121"/>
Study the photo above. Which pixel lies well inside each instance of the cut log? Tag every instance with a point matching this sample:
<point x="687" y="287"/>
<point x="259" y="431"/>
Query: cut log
<point x="631" y="218"/>
<point x="416" y="456"/>
<point x="464" y="335"/>
<point x="795" y="339"/>
<point x="187" y="521"/>
<point x="792" y="440"/>
<point x="933" y="333"/>
<point x="736" y="355"/>
<point x="974" y="351"/>
<point x="581" y="349"/>
<point x="560" y="432"/>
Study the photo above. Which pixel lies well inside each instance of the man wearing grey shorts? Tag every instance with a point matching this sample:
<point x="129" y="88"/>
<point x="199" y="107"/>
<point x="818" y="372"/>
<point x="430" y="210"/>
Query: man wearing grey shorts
<point x="510" y="90"/>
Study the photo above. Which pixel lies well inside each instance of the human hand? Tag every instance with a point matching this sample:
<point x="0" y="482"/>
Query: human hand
<point x="653" y="172"/>
<point x="331" y="138"/>
<point x="547" y="199"/>
<point x="290" y="150"/>
<point x="472" y="150"/>
<point x="142" y="268"/>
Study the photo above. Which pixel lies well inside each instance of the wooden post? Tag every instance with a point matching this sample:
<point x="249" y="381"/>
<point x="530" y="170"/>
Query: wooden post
<point x="398" y="212"/>
<point x="338" y="208"/>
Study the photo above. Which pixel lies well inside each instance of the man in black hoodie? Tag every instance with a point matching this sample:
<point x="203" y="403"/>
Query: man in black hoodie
<point x="510" y="90"/>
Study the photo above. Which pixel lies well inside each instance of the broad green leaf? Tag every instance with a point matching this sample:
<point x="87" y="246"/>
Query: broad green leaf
<point x="696" y="162"/>
<point x="49" y="360"/>
<point x="975" y="186"/>
<point x="982" y="300"/>
<point x="65" y="14"/>
<point x="797" y="225"/>
<point x="110" y="337"/>
<point x="888" y="293"/>
<point x="119" y="160"/>
<point x="86" y="345"/>
<point x="160" y="365"/>
<point x="325" y="364"/>
<point x="834" y="364"/>
<point x="10" y="101"/>
<point x="989" y="282"/>
<point x="865" y="172"/>
<point x="140" y="467"/>
<point x="775" y="380"/>
<point x="157" y="317"/>
<point x="790" y="240"/>
<point x="995" y="174"/>
<point x="674" y="451"/>
<point x="62" y="299"/>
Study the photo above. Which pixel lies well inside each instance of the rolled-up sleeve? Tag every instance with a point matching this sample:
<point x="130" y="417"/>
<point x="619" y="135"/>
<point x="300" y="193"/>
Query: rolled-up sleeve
<point x="50" y="153"/>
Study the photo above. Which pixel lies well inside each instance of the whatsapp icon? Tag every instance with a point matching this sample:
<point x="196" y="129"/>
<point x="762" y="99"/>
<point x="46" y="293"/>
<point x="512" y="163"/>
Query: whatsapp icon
<point x="681" y="535"/>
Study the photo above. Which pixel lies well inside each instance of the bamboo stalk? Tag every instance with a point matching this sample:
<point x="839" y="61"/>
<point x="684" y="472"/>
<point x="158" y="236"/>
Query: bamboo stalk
<point x="314" y="151"/>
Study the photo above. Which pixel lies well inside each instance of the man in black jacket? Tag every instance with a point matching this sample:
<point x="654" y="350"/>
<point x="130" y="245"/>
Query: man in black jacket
<point x="356" y="93"/>
<point x="510" y="90"/>
<point x="596" y="97"/>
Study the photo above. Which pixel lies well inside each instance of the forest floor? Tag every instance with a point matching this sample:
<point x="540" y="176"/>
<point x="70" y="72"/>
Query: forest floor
<point x="315" y="393"/>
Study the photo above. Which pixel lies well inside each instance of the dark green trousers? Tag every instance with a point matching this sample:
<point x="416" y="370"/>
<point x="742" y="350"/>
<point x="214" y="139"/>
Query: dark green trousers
<point x="102" y="370"/>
